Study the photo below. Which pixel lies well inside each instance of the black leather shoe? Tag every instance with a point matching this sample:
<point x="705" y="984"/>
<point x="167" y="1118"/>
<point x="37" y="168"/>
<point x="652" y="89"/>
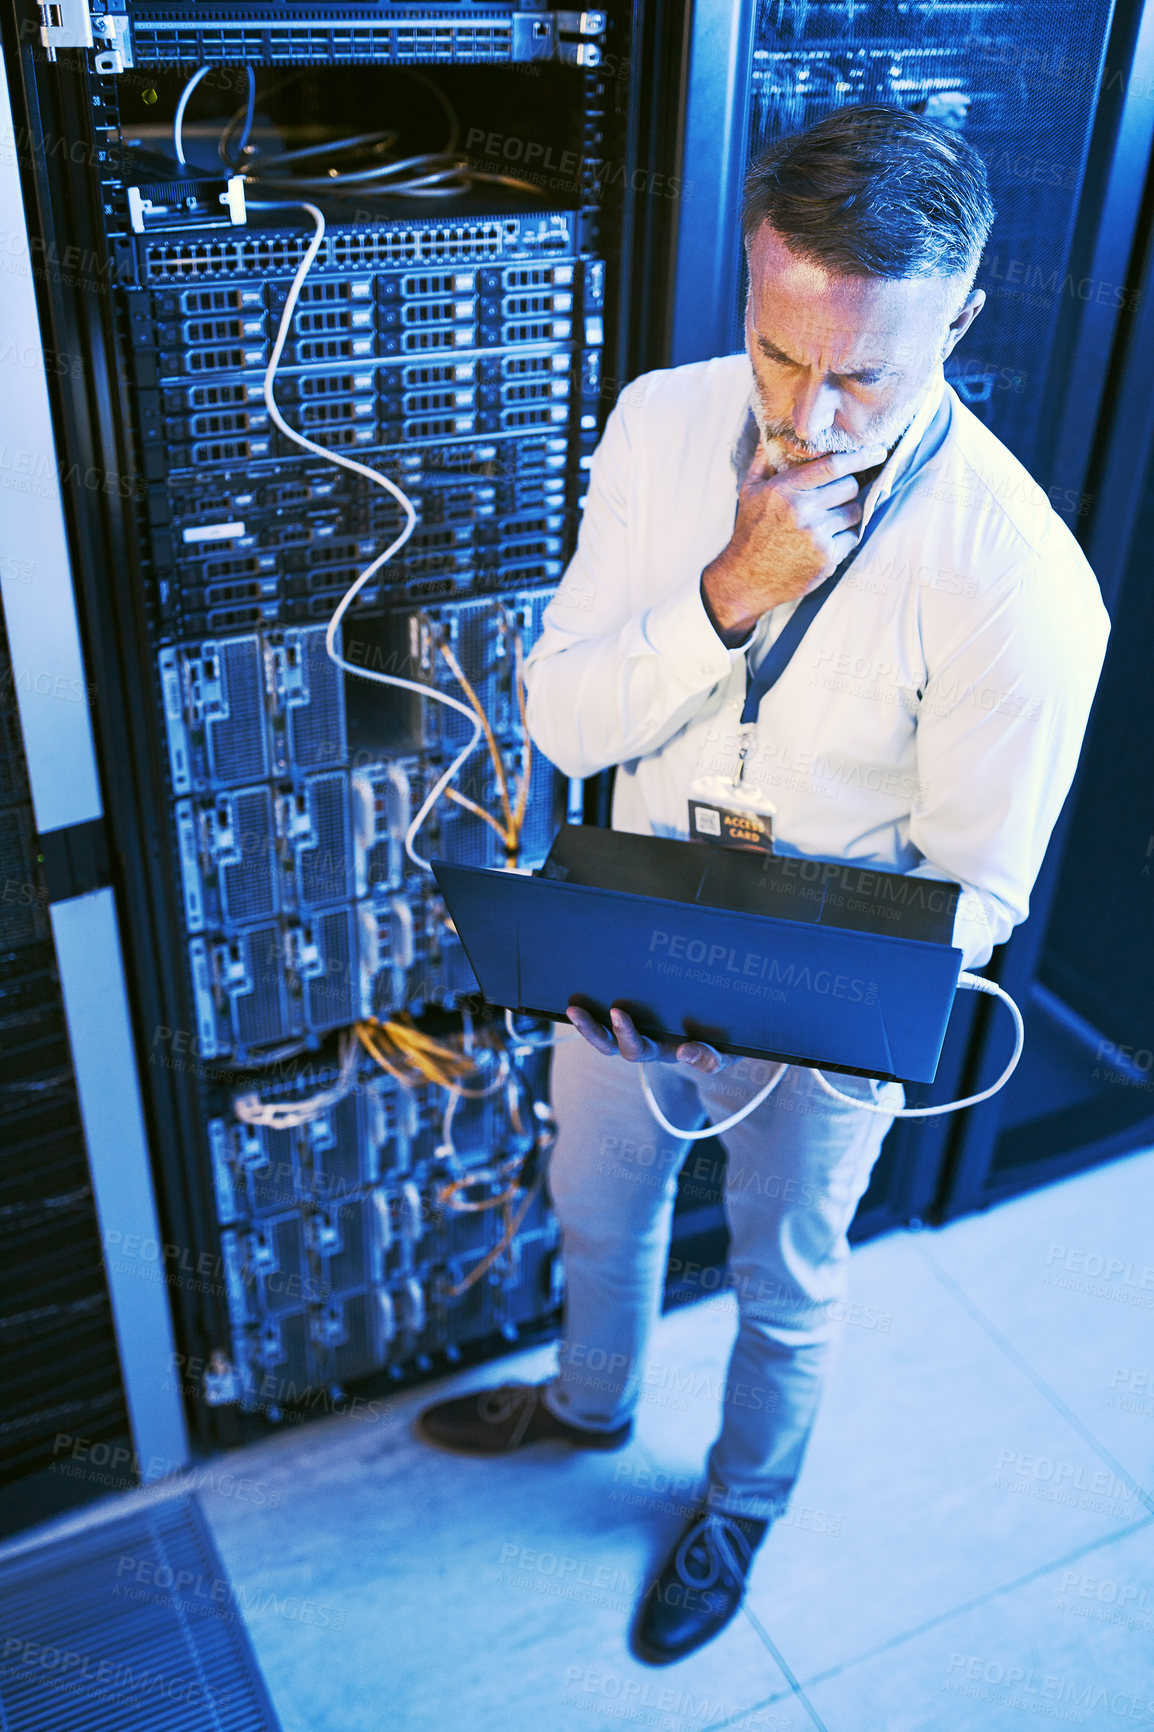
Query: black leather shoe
<point x="700" y="1587"/>
<point x="511" y="1416"/>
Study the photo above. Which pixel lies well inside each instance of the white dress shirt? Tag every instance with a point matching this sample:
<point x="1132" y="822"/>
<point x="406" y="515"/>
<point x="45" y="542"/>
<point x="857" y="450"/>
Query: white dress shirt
<point x="930" y="719"/>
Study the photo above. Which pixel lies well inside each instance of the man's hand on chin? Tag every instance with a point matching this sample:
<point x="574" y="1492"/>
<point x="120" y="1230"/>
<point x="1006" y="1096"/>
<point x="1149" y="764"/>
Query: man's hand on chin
<point x="793" y="530"/>
<point x="625" y="1042"/>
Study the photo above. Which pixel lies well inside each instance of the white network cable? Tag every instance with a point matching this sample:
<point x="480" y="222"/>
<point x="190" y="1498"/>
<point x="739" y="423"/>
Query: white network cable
<point x="394" y="547"/>
<point x="178" y="117"/>
<point x="287" y="1115"/>
<point x="446" y="1149"/>
<point x="970" y="982"/>
<point x="554" y="1036"/>
<point x="709" y="1130"/>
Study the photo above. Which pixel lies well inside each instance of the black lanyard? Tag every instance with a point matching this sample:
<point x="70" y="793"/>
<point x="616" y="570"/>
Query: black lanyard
<point x="776" y="658"/>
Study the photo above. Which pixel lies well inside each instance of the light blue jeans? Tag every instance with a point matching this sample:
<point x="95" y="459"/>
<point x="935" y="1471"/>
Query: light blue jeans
<point x="795" y="1172"/>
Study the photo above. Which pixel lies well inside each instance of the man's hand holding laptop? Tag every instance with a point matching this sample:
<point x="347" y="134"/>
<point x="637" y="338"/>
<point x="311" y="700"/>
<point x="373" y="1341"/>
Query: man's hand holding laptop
<point x="637" y="1048"/>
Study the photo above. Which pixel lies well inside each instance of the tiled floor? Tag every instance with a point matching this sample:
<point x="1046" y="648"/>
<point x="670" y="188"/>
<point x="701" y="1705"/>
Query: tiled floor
<point x="971" y="1544"/>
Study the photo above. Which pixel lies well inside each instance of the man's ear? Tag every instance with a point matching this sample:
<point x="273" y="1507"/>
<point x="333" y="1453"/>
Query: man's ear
<point x="963" y="319"/>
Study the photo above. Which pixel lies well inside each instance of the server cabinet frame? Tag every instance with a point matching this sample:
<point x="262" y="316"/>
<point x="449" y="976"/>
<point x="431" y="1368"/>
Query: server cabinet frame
<point x="91" y="921"/>
<point x="714" y="110"/>
<point x="91" y="414"/>
<point x="1116" y="477"/>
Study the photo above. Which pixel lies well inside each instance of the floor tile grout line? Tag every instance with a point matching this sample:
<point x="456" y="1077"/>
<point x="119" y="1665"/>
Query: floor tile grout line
<point x="971" y="1605"/>
<point x="796" y="1693"/>
<point x="779" y="1660"/>
<point x="1019" y="1359"/>
<point x="932" y="1623"/>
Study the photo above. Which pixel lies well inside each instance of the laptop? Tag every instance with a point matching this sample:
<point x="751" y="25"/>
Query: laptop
<point x="814" y="962"/>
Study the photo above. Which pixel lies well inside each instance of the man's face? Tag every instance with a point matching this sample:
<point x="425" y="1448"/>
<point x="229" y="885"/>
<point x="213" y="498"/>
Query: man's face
<point x="841" y="363"/>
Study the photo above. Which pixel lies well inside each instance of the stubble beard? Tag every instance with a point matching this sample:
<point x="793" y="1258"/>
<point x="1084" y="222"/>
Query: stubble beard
<point x="779" y="456"/>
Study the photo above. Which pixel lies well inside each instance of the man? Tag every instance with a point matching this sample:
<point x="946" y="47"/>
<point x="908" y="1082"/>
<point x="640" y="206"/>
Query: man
<point x="928" y="721"/>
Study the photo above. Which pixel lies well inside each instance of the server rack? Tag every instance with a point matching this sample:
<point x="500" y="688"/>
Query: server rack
<point x="360" y="1223"/>
<point x="1079" y="1097"/>
<point x="1086" y="1094"/>
<point x="1043" y="368"/>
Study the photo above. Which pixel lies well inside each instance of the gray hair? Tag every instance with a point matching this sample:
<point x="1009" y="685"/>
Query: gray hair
<point x="874" y="190"/>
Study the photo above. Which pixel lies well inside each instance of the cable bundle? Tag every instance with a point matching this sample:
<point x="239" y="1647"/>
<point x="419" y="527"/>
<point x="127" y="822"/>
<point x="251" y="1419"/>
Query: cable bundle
<point x="405" y="1052"/>
<point x="372" y="169"/>
<point x="287" y="1115"/>
<point x="511" y="1175"/>
<point x="401" y="1049"/>
<point x="513" y="809"/>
